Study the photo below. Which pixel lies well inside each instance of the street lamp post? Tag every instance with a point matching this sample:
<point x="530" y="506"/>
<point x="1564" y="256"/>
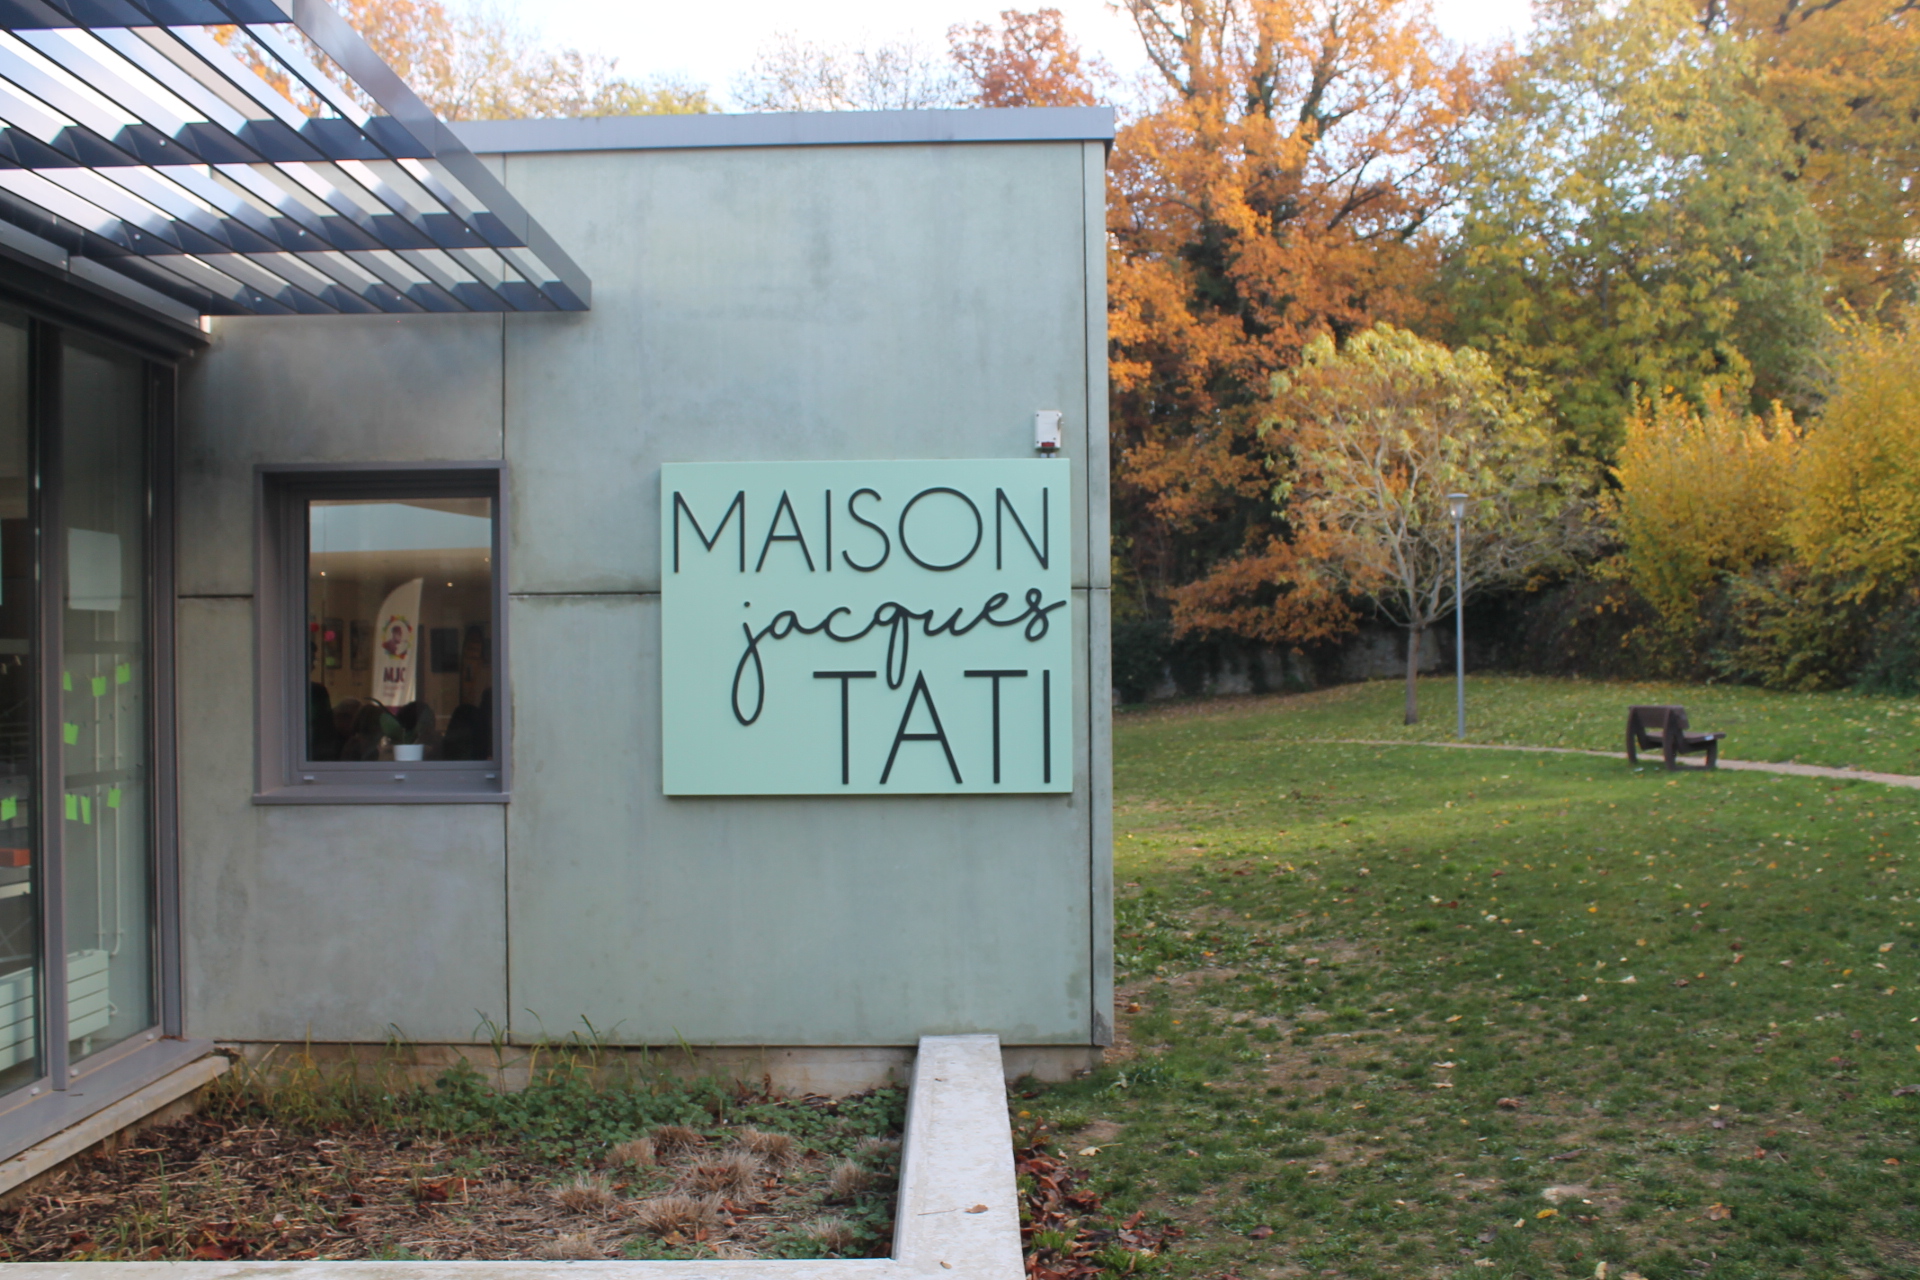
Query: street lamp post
<point x="1457" y="505"/>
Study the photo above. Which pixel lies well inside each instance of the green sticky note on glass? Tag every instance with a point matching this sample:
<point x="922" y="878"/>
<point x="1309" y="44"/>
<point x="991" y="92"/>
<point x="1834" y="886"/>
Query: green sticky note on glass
<point x="123" y="673"/>
<point x="99" y="686"/>
<point x="113" y="797"/>
<point x="73" y="808"/>
<point x="71" y="732"/>
<point x="66" y="681"/>
<point x="9" y="809"/>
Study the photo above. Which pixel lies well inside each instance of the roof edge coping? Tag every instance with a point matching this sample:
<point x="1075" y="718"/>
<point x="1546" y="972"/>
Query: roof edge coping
<point x="788" y="129"/>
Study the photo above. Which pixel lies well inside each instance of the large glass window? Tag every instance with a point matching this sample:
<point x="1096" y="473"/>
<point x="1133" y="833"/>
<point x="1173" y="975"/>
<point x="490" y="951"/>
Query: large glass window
<point x="103" y="713"/>
<point x="399" y="629"/>
<point x="382" y="655"/>
<point x="20" y="967"/>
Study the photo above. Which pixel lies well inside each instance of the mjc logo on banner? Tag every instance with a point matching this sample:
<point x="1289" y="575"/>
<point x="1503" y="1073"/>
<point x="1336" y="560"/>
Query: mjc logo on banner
<point x="842" y="628"/>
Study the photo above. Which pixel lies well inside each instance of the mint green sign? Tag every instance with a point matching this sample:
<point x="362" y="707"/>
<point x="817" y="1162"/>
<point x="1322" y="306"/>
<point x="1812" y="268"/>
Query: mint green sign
<point x="866" y="628"/>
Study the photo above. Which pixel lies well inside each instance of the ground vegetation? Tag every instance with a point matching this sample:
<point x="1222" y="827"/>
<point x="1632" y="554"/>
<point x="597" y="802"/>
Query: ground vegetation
<point x="593" y="1159"/>
<point x="1404" y="1010"/>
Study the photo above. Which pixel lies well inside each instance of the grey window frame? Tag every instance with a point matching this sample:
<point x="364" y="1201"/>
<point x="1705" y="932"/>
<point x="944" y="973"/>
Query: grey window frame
<point x="284" y="775"/>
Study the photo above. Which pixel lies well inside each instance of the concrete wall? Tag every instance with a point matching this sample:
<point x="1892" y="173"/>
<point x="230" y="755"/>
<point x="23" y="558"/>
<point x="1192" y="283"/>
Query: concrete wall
<point x="914" y="300"/>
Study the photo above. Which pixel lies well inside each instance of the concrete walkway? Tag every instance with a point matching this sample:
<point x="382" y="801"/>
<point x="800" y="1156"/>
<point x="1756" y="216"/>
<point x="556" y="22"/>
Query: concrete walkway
<point x="1748" y="766"/>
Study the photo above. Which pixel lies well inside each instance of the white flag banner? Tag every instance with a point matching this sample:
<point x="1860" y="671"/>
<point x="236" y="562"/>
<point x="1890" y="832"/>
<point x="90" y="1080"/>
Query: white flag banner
<point x="398" y="636"/>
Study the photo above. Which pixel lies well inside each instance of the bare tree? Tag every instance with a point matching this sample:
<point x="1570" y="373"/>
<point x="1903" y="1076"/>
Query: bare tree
<point x="482" y="64"/>
<point x="1383" y="430"/>
<point x="795" y="74"/>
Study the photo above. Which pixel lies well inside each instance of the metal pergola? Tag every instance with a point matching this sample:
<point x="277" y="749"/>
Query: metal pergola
<point x="149" y="137"/>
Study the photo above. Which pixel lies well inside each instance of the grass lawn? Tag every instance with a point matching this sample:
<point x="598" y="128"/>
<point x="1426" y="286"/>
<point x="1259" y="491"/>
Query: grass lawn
<point x="1835" y="729"/>
<point x="1397" y="1011"/>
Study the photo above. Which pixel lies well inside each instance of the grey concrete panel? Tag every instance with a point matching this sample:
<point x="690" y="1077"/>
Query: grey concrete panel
<point x="790" y="129"/>
<point x="1100" y="786"/>
<point x="771" y="920"/>
<point x="1099" y="552"/>
<point x="321" y="389"/>
<point x="857" y="302"/>
<point x="321" y="923"/>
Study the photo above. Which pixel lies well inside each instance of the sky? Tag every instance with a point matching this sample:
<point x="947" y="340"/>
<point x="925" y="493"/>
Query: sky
<point x="711" y="42"/>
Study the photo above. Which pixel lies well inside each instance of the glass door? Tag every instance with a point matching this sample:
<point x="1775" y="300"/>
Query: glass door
<point x="105" y="770"/>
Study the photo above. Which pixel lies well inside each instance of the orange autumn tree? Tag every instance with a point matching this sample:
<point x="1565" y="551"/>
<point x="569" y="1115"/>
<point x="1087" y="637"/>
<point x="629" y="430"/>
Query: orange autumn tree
<point x="1844" y="75"/>
<point x="1030" y="61"/>
<point x="1277" y="189"/>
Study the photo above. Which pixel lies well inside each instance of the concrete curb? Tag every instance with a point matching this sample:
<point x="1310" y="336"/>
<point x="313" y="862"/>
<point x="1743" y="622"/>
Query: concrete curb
<point x="1743" y="766"/>
<point x="958" y="1216"/>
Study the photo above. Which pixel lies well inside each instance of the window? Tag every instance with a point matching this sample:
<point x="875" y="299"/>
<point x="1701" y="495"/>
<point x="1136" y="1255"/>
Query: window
<point x="382" y="653"/>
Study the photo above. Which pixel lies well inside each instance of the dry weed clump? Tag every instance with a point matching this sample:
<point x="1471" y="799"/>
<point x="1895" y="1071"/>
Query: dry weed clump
<point x="670" y="1140"/>
<point x="570" y="1245"/>
<point x="586" y="1194"/>
<point x="727" y="1175"/>
<point x="877" y="1148"/>
<point x="635" y="1151"/>
<point x="831" y="1234"/>
<point x="775" y="1150"/>
<point x="848" y="1180"/>
<point x="677" y="1214"/>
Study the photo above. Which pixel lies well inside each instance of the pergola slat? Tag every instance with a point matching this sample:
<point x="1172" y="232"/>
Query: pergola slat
<point x="183" y="166"/>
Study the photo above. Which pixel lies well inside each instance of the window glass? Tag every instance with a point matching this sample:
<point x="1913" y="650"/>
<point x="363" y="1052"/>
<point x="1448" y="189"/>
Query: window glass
<point x="103" y="706"/>
<point x="400" y="629"/>
<point x="19" y="863"/>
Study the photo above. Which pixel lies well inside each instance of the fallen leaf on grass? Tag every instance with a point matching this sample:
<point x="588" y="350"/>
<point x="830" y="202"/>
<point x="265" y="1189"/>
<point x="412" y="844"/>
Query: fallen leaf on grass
<point x="1259" y="1233"/>
<point x="1907" y="1091"/>
<point x="1547" y="1213"/>
<point x="1508" y="1104"/>
<point x="1718" y="1213"/>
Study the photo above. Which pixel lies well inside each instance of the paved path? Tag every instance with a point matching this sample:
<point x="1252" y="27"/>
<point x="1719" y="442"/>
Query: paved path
<point x="1749" y="766"/>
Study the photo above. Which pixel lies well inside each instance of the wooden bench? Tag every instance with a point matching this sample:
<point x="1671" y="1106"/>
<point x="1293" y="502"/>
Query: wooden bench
<point x="1666" y="728"/>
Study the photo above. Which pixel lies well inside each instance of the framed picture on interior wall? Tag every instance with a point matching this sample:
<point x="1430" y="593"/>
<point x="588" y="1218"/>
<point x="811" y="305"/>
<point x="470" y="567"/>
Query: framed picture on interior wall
<point x="331" y="643"/>
<point x="360" y="644"/>
<point x="443" y="650"/>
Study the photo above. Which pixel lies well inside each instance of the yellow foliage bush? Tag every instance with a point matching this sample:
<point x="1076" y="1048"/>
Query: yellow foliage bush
<point x="1704" y="491"/>
<point x="1856" y="509"/>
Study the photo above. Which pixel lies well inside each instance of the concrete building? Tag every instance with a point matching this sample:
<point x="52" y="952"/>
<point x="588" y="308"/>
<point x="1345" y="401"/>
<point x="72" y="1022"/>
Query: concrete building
<point x="396" y="670"/>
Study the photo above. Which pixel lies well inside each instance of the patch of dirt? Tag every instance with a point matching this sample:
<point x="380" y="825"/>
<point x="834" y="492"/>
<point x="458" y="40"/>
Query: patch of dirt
<point x="218" y="1188"/>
